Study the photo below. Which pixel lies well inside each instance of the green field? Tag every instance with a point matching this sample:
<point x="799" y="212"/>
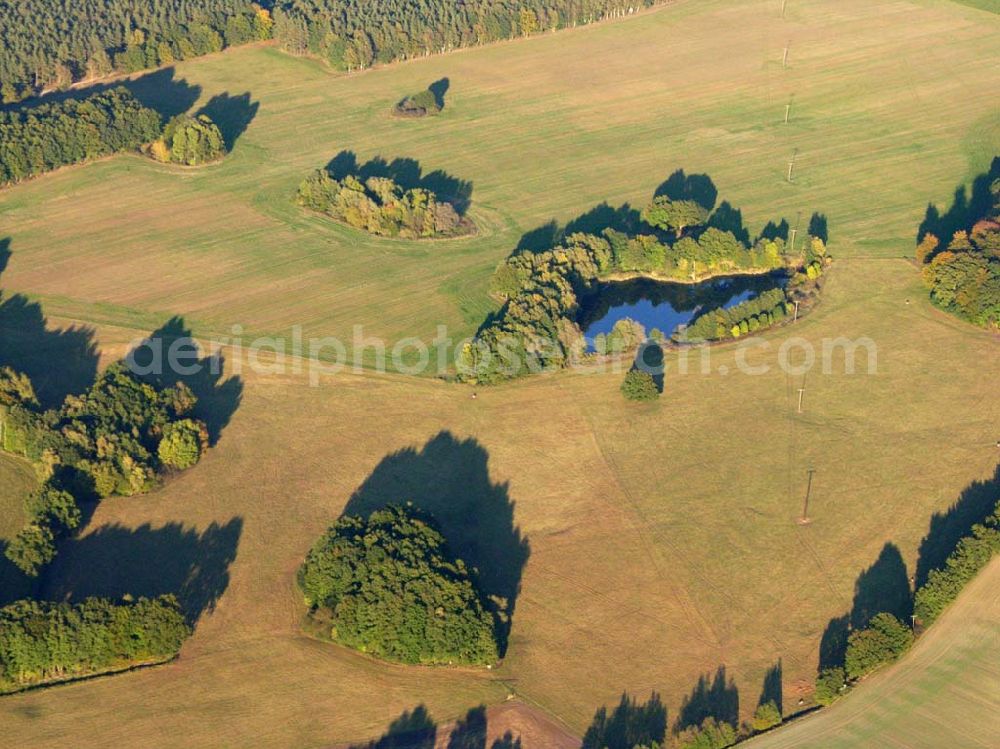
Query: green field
<point x="944" y="687"/>
<point x="663" y="540"/>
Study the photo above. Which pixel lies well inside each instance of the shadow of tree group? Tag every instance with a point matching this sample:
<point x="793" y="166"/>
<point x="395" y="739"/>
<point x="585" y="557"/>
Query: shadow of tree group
<point x="232" y="114"/>
<point x="449" y="478"/>
<point x="973" y="506"/>
<point x="417" y="730"/>
<point x="59" y="362"/>
<point x="630" y="724"/>
<point x="159" y="90"/>
<point x="967" y="207"/>
<point x="882" y="588"/>
<point x="407" y="173"/>
<point x="772" y="690"/>
<point x="712" y="697"/>
<point x="115" y="561"/>
<point x="678" y="186"/>
<point x="171" y="355"/>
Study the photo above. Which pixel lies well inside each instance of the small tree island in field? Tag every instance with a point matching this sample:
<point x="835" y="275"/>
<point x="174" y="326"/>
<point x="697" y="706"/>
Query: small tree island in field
<point x="418" y="105"/>
<point x="381" y="206"/>
<point x="388" y="586"/>
<point x="191" y="141"/>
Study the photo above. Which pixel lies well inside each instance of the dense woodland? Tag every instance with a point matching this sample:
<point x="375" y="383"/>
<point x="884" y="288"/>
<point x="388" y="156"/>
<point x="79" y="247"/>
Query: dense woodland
<point x="388" y="586"/>
<point x="964" y="277"/>
<point x="43" y="642"/>
<point x="49" y="44"/>
<point x="380" y="206"/>
<point x="116" y="438"/>
<point x="354" y="34"/>
<point x="37" y="139"/>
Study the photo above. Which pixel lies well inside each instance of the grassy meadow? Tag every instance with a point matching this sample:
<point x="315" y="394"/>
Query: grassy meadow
<point x="659" y="541"/>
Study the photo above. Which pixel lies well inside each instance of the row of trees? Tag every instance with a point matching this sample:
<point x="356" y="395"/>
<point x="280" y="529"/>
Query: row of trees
<point x="116" y="438"/>
<point x="747" y="317"/>
<point x="884" y="639"/>
<point x="38" y="139"/>
<point x="380" y="206"/>
<point x="964" y="278"/>
<point x="48" y="642"/>
<point x="354" y="34"/>
<point x="388" y="585"/>
<point x="49" y="45"/>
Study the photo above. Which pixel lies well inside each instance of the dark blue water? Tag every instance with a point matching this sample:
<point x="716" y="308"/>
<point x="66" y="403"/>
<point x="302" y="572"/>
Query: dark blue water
<point x="665" y="306"/>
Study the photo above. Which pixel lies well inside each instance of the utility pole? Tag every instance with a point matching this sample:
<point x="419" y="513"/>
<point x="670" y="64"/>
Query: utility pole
<point x="791" y="164"/>
<point x="783" y="3"/>
<point x="784" y="58"/>
<point x="801" y="391"/>
<point x="796" y="318"/>
<point x="805" y="506"/>
<point x="788" y="108"/>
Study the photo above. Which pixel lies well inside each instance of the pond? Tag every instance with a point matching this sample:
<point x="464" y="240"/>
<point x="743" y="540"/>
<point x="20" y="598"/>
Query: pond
<point x="665" y="305"/>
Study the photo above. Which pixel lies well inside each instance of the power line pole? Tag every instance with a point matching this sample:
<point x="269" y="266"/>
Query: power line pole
<point x="796" y="318"/>
<point x="783" y="3"/>
<point x="801" y="391"/>
<point x="805" y="505"/>
<point x="788" y="108"/>
<point x="784" y="58"/>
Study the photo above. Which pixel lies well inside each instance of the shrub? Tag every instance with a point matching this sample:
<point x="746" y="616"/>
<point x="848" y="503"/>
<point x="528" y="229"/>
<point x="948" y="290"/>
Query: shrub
<point x="418" y="105"/>
<point x="829" y="685"/>
<point x="42" y="642"/>
<point x="182" y="443"/>
<point x="639" y="386"/>
<point x="766" y="716"/>
<point x="882" y="641"/>
<point x="32" y="548"/>
<point x="389" y="587"/>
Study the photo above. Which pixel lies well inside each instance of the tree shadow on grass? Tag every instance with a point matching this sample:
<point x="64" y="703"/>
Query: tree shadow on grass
<point x="439" y="88"/>
<point x="114" y="561"/>
<point x="973" y="506"/>
<point x="771" y="691"/>
<point x="407" y="173"/>
<point x="712" y="697"/>
<point x="967" y="207"/>
<point x="59" y="362"/>
<point x="624" y="218"/>
<point x="232" y="114"/>
<point x="697" y="187"/>
<point x="449" y="478"/>
<point x="630" y="724"/>
<point x="159" y="90"/>
<point x="14" y="584"/>
<point x="171" y="355"/>
<point x="882" y="588"/>
<point x="470" y="731"/>
<point x="411" y="730"/>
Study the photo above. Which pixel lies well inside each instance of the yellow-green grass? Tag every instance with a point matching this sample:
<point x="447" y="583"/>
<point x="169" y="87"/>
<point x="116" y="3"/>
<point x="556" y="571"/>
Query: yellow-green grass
<point x="944" y="693"/>
<point x="663" y="537"/>
<point x="884" y="118"/>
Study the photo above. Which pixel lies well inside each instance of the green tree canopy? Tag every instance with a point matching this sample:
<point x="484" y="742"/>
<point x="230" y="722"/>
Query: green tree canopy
<point x="674" y="215"/>
<point x="388" y="586"/>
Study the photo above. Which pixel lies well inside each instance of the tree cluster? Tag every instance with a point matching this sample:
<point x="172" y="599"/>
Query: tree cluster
<point x="46" y="44"/>
<point x="380" y="206"/>
<point x="881" y="642"/>
<point x="189" y="140"/>
<point x="418" y="105"/>
<point x="742" y="319"/>
<point x="537" y="327"/>
<point x="964" y="278"/>
<point x="44" y="642"/>
<point x="639" y="386"/>
<point x="37" y="139"/>
<point x="388" y="586"/>
<point x="355" y="34"/>
<point x="115" y="438"/>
